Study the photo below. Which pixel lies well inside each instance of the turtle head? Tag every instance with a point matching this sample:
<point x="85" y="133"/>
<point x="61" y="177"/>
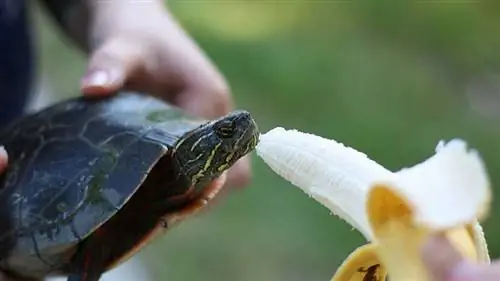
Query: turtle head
<point x="207" y="151"/>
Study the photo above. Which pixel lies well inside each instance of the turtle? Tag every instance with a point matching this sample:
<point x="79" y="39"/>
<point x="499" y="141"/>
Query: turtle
<point x="91" y="181"/>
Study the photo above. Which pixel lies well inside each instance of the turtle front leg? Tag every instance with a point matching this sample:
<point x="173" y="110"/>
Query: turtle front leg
<point x="91" y="266"/>
<point x="91" y="269"/>
<point x="89" y="263"/>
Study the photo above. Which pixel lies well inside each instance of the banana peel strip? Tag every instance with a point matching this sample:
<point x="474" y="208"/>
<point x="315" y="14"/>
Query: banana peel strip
<point x="395" y="211"/>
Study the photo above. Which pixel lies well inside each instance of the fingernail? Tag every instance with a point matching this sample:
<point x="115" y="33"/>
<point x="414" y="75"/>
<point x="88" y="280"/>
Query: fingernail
<point x="96" y="78"/>
<point x="102" y="81"/>
<point x="3" y="152"/>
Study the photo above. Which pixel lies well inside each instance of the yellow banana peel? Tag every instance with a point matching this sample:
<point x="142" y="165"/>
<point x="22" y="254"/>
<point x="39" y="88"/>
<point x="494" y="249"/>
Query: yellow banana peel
<point x="448" y="193"/>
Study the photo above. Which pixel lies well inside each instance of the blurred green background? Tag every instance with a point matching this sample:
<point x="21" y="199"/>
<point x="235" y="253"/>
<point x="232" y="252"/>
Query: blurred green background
<point x="388" y="78"/>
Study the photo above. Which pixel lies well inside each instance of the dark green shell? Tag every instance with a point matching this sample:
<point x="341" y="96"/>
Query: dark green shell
<point x="72" y="166"/>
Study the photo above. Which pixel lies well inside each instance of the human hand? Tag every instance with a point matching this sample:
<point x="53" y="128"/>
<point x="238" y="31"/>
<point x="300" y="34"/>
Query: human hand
<point x="446" y="264"/>
<point x="3" y="159"/>
<point x="151" y="53"/>
<point x="3" y="165"/>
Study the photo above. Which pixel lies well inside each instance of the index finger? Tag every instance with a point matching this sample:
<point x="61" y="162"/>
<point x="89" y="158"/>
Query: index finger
<point x="211" y="103"/>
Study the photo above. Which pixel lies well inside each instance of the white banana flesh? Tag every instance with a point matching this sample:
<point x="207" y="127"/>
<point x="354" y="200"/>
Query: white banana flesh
<point x="395" y="211"/>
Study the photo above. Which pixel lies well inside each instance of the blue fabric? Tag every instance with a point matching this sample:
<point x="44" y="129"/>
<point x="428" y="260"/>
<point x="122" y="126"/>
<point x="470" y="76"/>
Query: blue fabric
<point x="16" y="59"/>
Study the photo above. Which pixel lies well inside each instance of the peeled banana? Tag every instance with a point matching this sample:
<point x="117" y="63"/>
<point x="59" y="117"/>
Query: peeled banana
<point x="448" y="193"/>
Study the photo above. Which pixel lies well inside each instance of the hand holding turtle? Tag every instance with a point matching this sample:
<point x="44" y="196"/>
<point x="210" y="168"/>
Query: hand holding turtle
<point x="3" y="159"/>
<point x="156" y="56"/>
<point x="3" y="165"/>
<point x="446" y="264"/>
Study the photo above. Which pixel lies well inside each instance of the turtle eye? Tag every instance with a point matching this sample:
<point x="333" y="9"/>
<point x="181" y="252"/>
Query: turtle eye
<point x="226" y="129"/>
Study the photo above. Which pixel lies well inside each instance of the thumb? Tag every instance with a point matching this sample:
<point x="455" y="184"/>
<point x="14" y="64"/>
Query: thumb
<point x="466" y="271"/>
<point x="110" y="65"/>
<point x="3" y="159"/>
<point x="240" y="173"/>
<point x="446" y="264"/>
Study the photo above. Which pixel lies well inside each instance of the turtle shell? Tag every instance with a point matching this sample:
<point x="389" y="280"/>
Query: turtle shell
<point x="72" y="167"/>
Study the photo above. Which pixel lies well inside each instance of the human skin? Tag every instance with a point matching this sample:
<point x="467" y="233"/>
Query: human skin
<point x="446" y="264"/>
